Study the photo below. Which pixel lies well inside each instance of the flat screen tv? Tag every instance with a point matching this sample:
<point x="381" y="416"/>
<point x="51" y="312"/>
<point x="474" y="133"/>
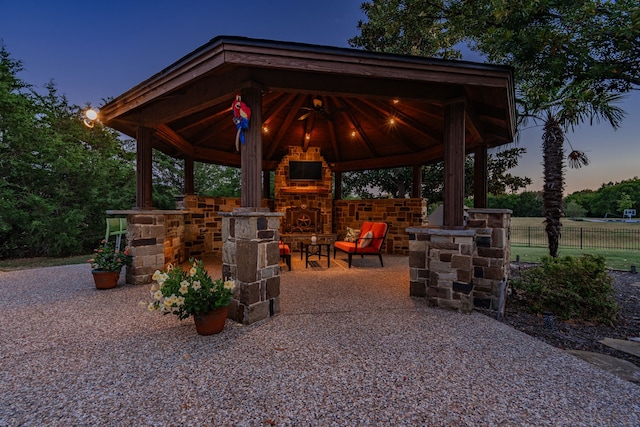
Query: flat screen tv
<point x="305" y="171"/>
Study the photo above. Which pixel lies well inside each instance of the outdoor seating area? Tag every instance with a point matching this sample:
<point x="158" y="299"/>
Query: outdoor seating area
<point x="368" y="242"/>
<point x="104" y="360"/>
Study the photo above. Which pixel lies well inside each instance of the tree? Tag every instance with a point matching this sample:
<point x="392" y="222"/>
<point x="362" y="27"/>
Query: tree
<point x="397" y="182"/>
<point x="58" y="177"/>
<point x="624" y="202"/>
<point x="572" y="60"/>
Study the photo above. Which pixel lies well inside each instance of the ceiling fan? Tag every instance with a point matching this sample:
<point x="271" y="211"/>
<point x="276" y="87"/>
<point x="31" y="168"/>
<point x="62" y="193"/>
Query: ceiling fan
<point x="317" y="107"/>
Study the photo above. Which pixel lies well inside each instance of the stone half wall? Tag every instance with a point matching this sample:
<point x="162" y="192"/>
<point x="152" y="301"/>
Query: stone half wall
<point x="156" y="238"/>
<point x="398" y="213"/>
<point x="461" y="269"/>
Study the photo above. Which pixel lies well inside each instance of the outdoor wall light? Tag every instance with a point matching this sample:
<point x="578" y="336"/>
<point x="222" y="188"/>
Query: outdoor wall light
<point x="91" y="116"/>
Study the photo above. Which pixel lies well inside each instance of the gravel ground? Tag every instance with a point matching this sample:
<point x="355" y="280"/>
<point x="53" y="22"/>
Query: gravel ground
<point x="350" y="347"/>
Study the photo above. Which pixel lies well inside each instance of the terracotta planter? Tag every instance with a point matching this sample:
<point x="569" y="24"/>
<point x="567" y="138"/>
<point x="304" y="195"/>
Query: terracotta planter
<point x="211" y="322"/>
<point x="105" y="279"/>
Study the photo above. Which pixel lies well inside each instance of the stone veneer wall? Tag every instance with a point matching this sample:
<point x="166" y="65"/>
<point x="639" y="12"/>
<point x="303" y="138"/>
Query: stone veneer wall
<point x="398" y="213"/>
<point x="313" y="194"/>
<point x="459" y="269"/>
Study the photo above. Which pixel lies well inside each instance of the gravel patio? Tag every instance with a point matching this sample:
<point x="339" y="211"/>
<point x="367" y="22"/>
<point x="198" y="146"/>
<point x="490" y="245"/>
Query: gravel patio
<point x="350" y="347"/>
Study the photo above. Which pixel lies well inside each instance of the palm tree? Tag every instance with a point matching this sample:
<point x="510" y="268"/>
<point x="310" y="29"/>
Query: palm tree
<point x="569" y="107"/>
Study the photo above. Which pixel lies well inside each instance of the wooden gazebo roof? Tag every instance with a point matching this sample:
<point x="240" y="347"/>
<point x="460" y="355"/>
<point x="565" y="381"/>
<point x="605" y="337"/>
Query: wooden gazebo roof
<point x="356" y="94"/>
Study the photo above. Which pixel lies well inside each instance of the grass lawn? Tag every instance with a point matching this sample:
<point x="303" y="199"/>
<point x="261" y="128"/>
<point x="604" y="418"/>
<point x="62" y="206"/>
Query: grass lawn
<point x="26" y="263"/>
<point x="566" y="223"/>
<point x="616" y="259"/>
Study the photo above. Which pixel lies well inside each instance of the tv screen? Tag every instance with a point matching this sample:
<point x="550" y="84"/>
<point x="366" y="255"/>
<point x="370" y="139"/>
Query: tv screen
<point x="305" y="171"/>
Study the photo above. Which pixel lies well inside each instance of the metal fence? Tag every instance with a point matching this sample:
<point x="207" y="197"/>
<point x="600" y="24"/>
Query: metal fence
<point x="578" y="237"/>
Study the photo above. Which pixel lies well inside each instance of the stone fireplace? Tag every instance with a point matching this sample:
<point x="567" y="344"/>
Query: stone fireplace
<point x="301" y="219"/>
<point x="307" y="205"/>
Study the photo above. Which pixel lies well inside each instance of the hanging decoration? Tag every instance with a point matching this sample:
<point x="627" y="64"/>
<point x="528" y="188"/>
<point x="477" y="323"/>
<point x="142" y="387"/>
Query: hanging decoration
<point x="241" y="115"/>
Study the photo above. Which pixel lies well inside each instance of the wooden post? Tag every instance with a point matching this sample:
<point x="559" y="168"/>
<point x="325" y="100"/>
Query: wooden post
<point x="454" y="157"/>
<point x="266" y="184"/>
<point x="416" y="189"/>
<point x="144" y="160"/>
<point x="338" y="186"/>
<point x="251" y="152"/>
<point x="480" y="175"/>
<point x="188" y="176"/>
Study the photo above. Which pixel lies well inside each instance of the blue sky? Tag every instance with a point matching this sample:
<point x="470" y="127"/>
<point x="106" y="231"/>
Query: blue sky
<point x="96" y="50"/>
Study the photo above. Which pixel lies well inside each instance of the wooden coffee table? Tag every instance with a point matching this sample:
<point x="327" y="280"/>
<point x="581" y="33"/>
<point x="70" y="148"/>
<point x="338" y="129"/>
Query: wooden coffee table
<point x="315" y="249"/>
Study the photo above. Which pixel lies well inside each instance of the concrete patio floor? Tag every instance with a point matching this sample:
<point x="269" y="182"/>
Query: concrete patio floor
<point x="350" y="347"/>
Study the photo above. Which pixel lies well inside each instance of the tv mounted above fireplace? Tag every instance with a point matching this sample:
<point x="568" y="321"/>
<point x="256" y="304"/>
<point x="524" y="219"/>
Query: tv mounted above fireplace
<point x="305" y="171"/>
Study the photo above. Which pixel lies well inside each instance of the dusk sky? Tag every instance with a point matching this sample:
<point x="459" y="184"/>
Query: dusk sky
<point x="97" y="50"/>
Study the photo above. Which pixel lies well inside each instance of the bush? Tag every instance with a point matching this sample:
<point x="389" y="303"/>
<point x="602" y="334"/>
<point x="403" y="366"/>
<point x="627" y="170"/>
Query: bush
<point x="571" y="288"/>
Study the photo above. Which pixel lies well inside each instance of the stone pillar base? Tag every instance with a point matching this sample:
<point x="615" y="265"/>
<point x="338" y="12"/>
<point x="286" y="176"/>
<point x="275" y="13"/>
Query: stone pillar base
<point x="250" y="256"/>
<point x="441" y="268"/>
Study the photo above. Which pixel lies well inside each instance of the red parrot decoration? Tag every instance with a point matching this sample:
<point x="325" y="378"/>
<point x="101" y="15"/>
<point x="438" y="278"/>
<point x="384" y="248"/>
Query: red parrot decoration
<point x="241" y="115"/>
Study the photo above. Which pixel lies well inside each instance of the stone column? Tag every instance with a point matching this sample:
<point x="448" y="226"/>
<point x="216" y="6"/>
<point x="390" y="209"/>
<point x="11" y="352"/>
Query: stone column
<point x="156" y="238"/>
<point x="493" y="255"/>
<point x="251" y="256"/>
<point x="440" y="266"/>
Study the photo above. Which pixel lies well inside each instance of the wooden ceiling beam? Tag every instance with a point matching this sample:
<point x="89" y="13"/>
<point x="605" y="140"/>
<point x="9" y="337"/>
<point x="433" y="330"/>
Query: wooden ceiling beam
<point x="284" y="102"/>
<point x="332" y="130"/>
<point x="282" y="131"/>
<point x="360" y="130"/>
<point x="202" y="94"/>
<point x="425" y="156"/>
<point x="167" y="134"/>
<point x="431" y="136"/>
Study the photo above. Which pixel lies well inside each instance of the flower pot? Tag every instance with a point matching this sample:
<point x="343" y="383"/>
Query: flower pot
<point x="105" y="279"/>
<point x="212" y="322"/>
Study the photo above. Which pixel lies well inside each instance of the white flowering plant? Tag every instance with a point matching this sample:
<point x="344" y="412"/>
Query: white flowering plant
<point x="190" y="291"/>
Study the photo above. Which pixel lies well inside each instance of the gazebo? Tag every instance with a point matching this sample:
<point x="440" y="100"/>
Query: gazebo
<point x="344" y="109"/>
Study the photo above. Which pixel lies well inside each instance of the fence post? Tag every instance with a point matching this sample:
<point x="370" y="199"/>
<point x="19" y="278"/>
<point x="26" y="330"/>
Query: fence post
<point x="580" y="237"/>
<point x="529" y="235"/>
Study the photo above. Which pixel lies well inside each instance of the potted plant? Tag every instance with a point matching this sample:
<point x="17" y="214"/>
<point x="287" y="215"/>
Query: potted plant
<point x="192" y="292"/>
<point x="106" y="264"/>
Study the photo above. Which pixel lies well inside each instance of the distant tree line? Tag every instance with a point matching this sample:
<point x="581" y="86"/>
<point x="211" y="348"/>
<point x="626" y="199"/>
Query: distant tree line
<point x="610" y="200"/>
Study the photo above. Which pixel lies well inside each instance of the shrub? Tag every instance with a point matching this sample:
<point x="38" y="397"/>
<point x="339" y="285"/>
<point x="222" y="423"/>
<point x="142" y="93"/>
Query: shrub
<point x="571" y="288"/>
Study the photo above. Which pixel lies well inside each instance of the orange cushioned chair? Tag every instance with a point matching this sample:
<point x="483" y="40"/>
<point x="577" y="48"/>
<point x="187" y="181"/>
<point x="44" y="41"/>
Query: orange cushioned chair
<point x="369" y="242"/>
<point x="285" y="253"/>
